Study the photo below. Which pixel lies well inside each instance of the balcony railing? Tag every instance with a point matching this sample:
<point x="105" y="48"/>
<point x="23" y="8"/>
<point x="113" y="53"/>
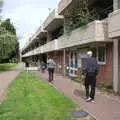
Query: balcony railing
<point x="114" y="24"/>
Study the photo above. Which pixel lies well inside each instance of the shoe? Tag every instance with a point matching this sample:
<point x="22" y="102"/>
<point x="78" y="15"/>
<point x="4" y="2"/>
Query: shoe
<point x="52" y="82"/>
<point x="88" y="99"/>
<point x="93" y="101"/>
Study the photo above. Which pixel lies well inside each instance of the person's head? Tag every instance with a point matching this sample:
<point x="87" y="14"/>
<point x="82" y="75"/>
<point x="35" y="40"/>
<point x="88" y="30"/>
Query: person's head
<point x="89" y="53"/>
<point x="49" y="57"/>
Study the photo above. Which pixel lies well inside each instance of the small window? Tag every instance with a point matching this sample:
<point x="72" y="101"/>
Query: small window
<point x="100" y="54"/>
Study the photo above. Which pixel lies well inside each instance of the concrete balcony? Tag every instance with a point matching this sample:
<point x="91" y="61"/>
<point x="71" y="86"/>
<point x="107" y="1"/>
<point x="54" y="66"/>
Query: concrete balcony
<point x="53" y="21"/>
<point x="30" y="53"/>
<point x="63" y="4"/>
<point x="50" y="46"/>
<point x="95" y="31"/>
<point x="38" y="35"/>
<point x="33" y="52"/>
<point x="114" y="24"/>
<point x="37" y="51"/>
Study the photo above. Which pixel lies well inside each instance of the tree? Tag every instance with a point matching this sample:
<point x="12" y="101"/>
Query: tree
<point x="8" y="26"/>
<point x="9" y="45"/>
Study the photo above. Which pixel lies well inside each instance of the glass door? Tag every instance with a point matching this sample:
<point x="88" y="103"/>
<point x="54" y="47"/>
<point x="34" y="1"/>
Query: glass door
<point x="73" y="63"/>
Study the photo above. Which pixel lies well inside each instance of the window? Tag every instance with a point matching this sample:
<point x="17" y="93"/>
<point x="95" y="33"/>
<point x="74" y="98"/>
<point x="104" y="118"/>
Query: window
<point x="74" y="59"/>
<point x="76" y="62"/>
<point x="100" y="54"/>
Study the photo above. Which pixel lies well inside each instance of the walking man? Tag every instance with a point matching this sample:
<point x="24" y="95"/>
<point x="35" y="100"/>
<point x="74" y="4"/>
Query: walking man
<point x="90" y="70"/>
<point x="51" y="66"/>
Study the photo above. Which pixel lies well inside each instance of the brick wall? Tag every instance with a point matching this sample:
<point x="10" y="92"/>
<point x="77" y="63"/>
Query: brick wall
<point x="58" y="57"/>
<point x="105" y="74"/>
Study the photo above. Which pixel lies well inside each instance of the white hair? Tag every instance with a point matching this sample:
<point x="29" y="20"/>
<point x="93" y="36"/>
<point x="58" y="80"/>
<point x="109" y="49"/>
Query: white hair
<point x="90" y="53"/>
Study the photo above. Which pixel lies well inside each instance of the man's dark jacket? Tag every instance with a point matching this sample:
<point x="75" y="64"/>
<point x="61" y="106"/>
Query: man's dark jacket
<point x="89" y="66"/>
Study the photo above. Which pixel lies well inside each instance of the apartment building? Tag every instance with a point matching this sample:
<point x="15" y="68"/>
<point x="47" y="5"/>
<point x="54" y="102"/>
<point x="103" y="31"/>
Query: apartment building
<point x="68" y="46"/>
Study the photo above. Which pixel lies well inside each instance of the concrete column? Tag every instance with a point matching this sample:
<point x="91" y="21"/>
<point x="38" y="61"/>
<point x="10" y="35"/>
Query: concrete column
<point x="115" y="66"/>
<point x="64" y="62"/>
<point x="73" y="62"/>
<point x="116" y="4"/>
<point x="49" y="36"/>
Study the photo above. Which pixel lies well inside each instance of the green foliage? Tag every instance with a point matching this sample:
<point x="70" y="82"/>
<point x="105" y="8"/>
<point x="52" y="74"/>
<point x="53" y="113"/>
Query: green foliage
<point x="7" y="66"/>
<point x="82" y="16"/>
<point x="29" y="98"/>
<point x="8" y="26"/>
<point x="9" y="45"/>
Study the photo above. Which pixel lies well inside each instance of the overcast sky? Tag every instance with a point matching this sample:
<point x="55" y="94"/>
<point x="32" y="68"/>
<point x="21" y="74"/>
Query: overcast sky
<point x="27" y="15"/>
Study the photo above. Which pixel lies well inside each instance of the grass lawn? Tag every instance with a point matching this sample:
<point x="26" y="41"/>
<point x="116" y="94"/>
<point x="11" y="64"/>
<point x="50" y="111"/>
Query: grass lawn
<point x="7" y="66"/>
<point x="28" y="98"/>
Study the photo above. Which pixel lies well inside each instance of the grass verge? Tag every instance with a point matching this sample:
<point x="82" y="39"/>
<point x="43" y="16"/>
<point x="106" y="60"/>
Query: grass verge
<point x="28" y="98"/>
<point x="7" y="66"/>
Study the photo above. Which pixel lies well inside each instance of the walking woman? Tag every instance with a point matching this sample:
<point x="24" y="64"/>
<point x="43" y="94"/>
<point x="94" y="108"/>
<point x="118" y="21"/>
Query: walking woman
<point x="51" y="66"/>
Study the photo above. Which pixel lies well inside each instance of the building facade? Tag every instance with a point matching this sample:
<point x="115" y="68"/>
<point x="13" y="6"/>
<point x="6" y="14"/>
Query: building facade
<point x="68" y="44"/>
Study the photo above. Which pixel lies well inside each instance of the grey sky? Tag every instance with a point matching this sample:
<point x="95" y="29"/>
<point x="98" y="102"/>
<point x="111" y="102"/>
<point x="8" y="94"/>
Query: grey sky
<point x="27" y="15"/>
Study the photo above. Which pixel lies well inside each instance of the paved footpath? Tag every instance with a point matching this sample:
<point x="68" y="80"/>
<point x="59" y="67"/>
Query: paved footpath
<point x="7" y="77"/>
<point x="106" y="107"/>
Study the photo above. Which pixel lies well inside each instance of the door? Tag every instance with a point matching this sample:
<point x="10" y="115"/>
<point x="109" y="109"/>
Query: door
<point x="73" y="63"/>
